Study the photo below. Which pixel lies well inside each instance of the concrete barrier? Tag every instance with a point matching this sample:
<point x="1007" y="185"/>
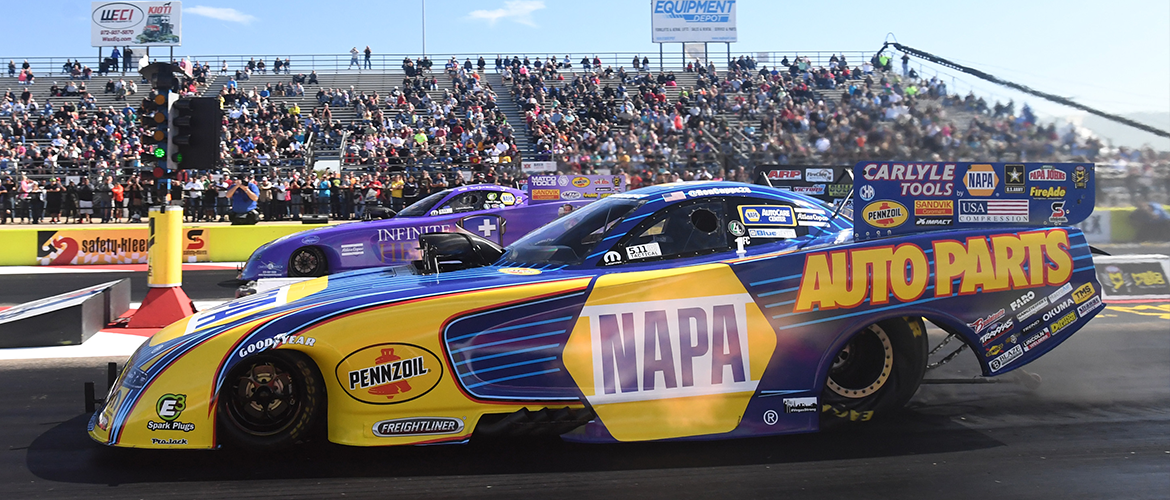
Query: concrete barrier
<point x="49" y="245"/>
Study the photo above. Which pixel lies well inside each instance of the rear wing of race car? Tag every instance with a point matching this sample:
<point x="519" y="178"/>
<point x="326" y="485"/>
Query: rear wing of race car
<point x="894" y="198"/>
<point x="553" y="188"/>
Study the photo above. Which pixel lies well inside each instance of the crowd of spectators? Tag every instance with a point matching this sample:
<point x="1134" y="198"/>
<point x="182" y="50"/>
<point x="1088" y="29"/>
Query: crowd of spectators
<point x="656" y="126"/>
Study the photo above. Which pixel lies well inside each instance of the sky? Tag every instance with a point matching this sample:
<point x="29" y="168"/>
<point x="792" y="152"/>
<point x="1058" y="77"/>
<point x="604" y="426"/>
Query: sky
<point x="1111" y="55"/>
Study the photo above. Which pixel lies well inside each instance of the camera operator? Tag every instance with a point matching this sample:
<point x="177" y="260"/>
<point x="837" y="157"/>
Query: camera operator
<point x="244" y="201"/>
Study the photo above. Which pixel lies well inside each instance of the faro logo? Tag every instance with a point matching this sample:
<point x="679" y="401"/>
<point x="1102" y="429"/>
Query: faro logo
<point x="981" y="180"/>
<point x="580" y="182"/>
<point x="389" y="373"/>
<point x="885" y="214"/>
<point x="118" y="15"/>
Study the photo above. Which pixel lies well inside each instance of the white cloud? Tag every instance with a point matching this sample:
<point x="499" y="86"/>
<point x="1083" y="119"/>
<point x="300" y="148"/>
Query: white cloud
<point x="519" y="11"/>
<point x="221" y="13"/>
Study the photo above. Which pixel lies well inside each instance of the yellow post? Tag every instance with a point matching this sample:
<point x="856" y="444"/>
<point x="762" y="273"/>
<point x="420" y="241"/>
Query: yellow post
<point x="165" y="247"/>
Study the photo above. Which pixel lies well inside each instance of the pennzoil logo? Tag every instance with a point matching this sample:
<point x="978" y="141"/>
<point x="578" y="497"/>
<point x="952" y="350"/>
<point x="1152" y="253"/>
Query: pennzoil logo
<point x="389" y="373"/>
<point x="581" y="182"/>
<point x="981" y="180"/>
<point x="885" y="214"/>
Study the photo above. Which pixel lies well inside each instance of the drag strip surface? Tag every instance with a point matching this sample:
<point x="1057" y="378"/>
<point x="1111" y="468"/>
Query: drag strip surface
<point x="1098" y="426"/>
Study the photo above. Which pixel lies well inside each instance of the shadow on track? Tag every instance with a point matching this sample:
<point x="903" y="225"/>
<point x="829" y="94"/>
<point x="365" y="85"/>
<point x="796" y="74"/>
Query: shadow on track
<point x="65" y="453"/>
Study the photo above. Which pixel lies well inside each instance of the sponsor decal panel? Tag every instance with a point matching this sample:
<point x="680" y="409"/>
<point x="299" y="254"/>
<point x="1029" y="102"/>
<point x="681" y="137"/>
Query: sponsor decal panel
<point x="1059" y="214"/>
<point x="1085" y="308"/>
<point x="846" y="278"/>
<point x="982" y="323"/>
<point x="818" y="175"/>
<point x="168" y="408"/>
<point x="1047" y="173"/>
<point x="611" y="257"/>
<point x="811" y="217"/>
<point x="784" y="175"/>
<point x="694" y="193"/>
<point x="1054" y="312"/>
<point x="767" y="215"/>
<point x="839" y="190"/>
<point x="644" y="251"/>
<point x="813" y="190"/>
<point x="885" y="214"/>
<point x="353" y="249"/>
<point x="1033" y="309"/>
<point x="1004" y="359"/>
<point x="1063" y="322"/>
<point x="1080" y="177"/>
<point x="1059" y="292"/>
<point x="1083" y="293"/>
<point x="418" y="426"/>
<point x="801" y="405"/>
<point x="1035" y="340"/>
<point x="1013" y="182"/>
<point x="934" y="207"/>
<point x="771" y="232"/>
<point x="546" y="194"/>
<point x="995" y="331"/>
<point x="1024" y="299"/>
<point x="915" y="179"/>
<point x="1047" y="192"/>
<point x="981" y="180"/>
<point x="410" y="233"/>
<point x="993" y="211"/>
<point x="1031" y="326"/>
<point x="274" y="342"/>
<point x="389" y="373"/>
<point x="520" y="271"/>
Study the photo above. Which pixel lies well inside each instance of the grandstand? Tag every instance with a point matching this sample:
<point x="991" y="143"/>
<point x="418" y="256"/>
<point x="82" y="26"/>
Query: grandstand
<point x="846" y="114"/>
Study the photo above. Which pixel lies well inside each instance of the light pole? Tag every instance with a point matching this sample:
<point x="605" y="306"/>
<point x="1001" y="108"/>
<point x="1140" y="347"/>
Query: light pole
<point x="424" y="26"/>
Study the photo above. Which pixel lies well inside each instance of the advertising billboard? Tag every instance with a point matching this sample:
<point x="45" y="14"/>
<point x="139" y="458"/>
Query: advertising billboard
<point x="692" y="21"/>
<point x="117" y="24"/>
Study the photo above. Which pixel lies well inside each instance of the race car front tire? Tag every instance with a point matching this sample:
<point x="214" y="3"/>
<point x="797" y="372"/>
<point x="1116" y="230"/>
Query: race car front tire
<point x="875" y="373"/>
<point x="307" y="262"/>
<point x="272" y="400"/>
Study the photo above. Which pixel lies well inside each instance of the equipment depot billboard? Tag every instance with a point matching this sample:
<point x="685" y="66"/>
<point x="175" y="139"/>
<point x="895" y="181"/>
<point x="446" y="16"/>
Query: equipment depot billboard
<point x="117" y="24"/>
<point x="692" y="21"/>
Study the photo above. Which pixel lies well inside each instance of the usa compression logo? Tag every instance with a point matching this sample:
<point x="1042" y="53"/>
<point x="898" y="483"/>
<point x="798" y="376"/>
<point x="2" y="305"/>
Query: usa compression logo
<point x="696" y="11"/>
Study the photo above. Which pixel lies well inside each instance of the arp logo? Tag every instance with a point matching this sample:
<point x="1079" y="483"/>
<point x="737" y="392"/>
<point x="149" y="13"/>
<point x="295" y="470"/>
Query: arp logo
<point x="783" y="175"/>
<point x="170" y="406"/>
<point x="389" y="373"/>
<point x="981" y="180"/>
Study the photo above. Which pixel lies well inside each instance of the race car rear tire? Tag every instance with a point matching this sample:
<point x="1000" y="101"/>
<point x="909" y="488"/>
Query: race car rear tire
<point x="272" y="400"/>
<point x="875" y="373"/>
<point x="307" y="262"/>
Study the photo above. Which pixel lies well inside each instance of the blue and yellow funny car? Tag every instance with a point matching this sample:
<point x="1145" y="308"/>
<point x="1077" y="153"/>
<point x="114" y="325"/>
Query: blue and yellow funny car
<point x="685" y="311"/>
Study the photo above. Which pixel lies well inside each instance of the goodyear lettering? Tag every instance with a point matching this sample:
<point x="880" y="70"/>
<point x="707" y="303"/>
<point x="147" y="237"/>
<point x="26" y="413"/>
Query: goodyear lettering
<point x="846" y="278"/>
<point x="275" y="341"/>
<point x="673" y="348"/>
<point x="388" y="373"/>
<point x="918" y="179"/>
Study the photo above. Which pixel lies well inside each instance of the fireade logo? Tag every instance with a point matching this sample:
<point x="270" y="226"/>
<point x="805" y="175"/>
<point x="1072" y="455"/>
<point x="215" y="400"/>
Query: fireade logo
<point x="670" y="349"/>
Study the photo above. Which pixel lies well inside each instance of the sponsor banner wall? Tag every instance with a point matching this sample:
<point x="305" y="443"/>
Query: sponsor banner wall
<point x="39" y="246"/>
<point x="552" y="188"/>
<point x="535" y="167"/>
<point x="1133" y="277"/>
<point x="692" y="21"/>
<point x="907" y="197"/>
<point x="117" y="24"/>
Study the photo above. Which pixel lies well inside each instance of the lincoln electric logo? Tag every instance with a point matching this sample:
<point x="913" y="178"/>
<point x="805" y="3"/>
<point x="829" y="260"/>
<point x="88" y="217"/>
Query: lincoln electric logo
<point x="670" y="349"/>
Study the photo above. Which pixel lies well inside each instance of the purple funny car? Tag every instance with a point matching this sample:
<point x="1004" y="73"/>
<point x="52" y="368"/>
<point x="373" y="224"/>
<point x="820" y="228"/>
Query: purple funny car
<point x="497" y="213"/>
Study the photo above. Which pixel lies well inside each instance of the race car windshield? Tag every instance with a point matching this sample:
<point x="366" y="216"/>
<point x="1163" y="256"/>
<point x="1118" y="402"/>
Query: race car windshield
<point x="421" y="207"/>
<point x="570" y="239"/>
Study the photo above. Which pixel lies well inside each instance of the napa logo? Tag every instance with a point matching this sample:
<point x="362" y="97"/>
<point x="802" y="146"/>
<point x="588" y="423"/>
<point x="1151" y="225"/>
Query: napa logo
<point x="696" y="11"/>
<point x="885" y="214"/>
<point x="751" y="215"/>
<point x="981" y="180"/>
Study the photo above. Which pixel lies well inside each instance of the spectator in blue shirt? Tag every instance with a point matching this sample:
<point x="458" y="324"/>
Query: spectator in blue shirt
<point x="244" y="200"/>
<point x="323" y="195"/>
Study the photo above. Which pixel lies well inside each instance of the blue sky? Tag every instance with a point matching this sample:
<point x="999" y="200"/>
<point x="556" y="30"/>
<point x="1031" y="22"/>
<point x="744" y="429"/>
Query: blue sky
<point x="1086" y="50"/>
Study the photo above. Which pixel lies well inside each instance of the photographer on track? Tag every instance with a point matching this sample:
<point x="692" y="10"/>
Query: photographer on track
<point x="243" y="195"/>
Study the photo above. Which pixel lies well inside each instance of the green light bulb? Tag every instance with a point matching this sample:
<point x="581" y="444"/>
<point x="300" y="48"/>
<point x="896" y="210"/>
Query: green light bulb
<point x="159" y="153"/>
